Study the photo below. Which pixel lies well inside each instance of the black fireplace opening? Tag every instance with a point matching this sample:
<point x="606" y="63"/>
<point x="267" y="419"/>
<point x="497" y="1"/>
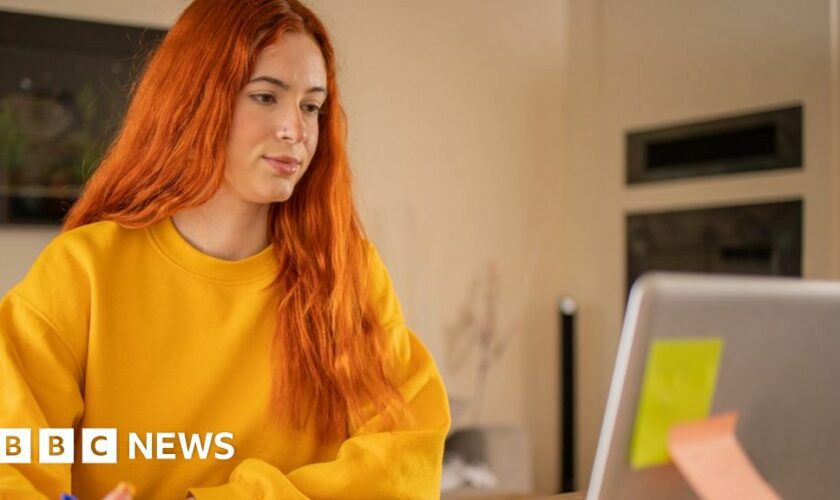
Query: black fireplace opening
<point x="758" y="239"/>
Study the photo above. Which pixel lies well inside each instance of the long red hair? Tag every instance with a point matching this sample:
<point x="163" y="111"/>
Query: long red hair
<point x="330" y="349"/>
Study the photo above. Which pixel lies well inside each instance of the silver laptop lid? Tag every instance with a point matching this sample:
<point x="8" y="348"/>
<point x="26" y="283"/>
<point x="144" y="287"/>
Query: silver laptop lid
<point x="779" y="369"/>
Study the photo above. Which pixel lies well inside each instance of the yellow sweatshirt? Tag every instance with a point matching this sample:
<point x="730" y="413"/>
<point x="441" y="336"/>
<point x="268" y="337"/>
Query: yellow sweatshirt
<point x="136" y="330"/>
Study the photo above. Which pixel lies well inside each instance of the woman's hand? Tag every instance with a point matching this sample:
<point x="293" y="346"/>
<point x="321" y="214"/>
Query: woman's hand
<point x="123" y="491"/>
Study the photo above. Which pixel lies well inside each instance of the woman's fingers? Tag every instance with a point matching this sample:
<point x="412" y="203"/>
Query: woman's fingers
<point x="123" y="491"/>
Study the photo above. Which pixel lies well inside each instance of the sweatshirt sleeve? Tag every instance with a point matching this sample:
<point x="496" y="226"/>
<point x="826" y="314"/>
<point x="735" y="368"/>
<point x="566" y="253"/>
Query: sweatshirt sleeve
<point x="39" y="387"/>
<point x="372" y="463"/>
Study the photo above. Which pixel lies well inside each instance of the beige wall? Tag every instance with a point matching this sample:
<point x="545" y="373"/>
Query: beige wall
<point x="644" y="63"/>
<point x="448" y="136"/>
<point x="159" y="13"/>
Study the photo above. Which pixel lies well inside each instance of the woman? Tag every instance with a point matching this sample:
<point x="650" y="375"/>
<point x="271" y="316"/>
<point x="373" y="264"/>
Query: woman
<point x="214" y="278"/>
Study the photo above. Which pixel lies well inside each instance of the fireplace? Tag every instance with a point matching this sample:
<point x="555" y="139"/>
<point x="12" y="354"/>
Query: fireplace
<point x="763" y="238"/>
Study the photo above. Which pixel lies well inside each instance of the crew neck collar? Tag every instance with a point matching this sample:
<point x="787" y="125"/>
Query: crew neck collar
<point x="171" y="243"/>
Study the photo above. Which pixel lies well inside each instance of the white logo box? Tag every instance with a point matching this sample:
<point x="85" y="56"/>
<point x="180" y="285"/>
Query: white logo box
<point x="57" y="446"/>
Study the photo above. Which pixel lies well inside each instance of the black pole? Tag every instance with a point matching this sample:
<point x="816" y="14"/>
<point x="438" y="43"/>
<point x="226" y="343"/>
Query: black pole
<point x="568" y="312"/>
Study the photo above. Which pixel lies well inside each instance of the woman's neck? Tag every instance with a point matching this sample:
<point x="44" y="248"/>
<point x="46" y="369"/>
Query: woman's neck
<point x="225" y="227"/>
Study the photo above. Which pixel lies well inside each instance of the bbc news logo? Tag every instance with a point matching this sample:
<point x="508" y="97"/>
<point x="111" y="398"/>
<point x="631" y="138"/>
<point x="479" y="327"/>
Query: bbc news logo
<point x="99" y="446"/>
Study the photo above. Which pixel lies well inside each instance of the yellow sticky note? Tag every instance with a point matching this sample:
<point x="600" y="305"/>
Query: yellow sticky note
<point x="678" y="386"/>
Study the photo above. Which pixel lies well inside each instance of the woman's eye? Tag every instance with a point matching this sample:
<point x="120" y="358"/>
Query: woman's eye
<point x="312" y="109"/>
<point x="263" y="98"/>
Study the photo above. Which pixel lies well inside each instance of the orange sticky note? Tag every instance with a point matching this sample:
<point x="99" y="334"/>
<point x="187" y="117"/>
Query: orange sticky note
<point x="711" y="459"/>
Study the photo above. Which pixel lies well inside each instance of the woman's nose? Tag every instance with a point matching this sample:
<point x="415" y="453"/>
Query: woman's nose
<point x="291" y="127"/>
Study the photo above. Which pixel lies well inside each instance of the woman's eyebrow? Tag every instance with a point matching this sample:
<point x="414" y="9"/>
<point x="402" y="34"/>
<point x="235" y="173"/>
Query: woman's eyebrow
<point x="285" y="86"/>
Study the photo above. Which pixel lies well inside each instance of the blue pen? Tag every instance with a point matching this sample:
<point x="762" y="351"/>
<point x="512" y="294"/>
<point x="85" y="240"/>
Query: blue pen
<point x="67" y="496"/>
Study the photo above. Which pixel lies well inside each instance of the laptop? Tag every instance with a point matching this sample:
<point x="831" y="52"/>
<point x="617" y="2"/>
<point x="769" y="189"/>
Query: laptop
<point x="779" y="368"/>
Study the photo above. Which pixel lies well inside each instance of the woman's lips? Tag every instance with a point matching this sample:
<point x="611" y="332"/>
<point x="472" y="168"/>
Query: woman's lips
<point x="283" y="165"/>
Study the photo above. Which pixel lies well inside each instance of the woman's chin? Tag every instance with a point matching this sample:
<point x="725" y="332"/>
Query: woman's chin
<point x="279" y="196"/>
